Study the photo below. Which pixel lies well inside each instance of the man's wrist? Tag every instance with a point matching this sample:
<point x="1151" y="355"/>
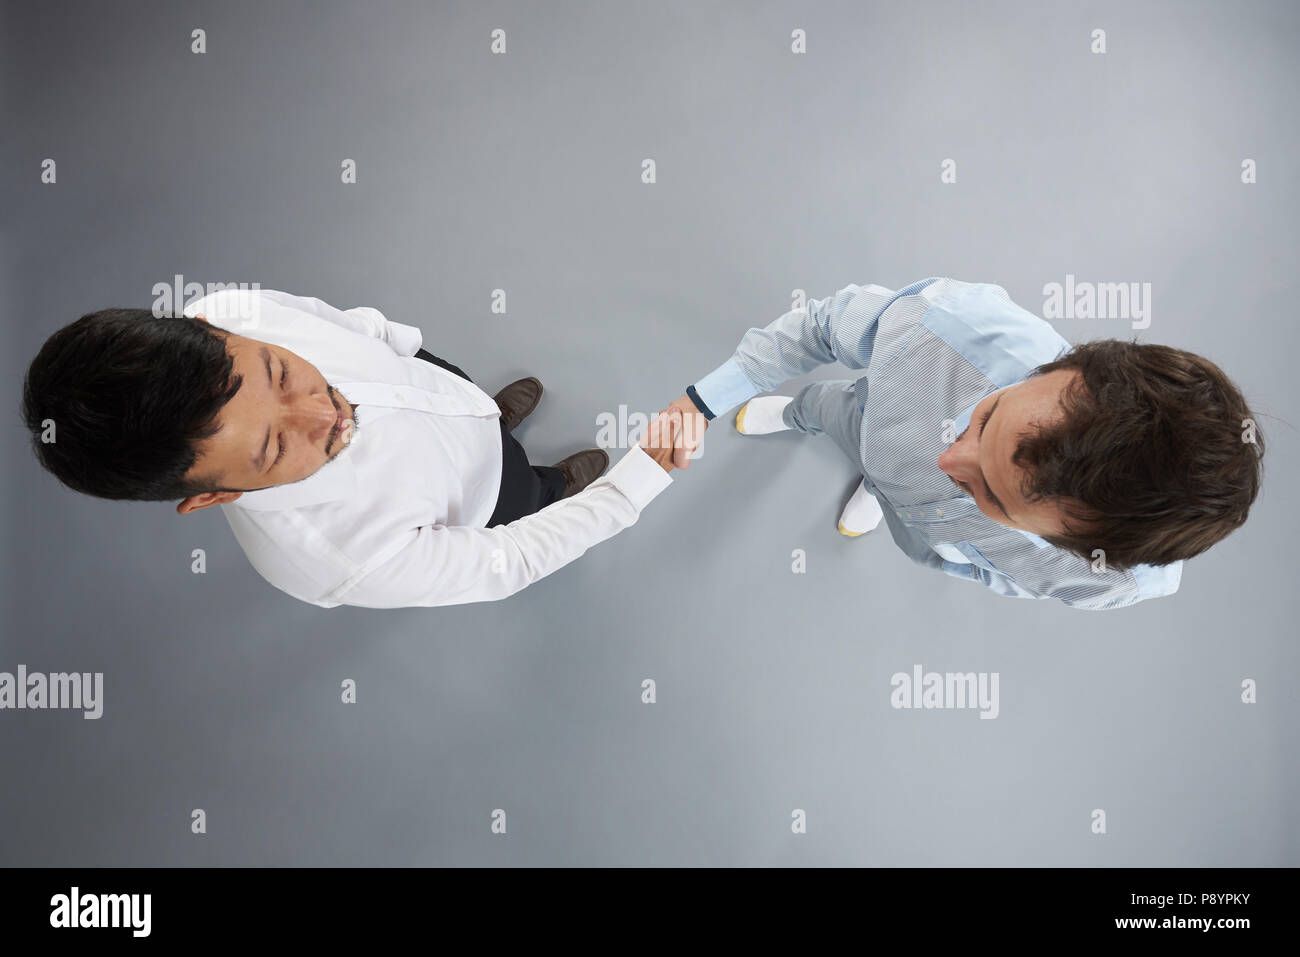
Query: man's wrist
<point x="699" y="403"/>
<point x="725" y="387"/>
<point x="639" y="476"/>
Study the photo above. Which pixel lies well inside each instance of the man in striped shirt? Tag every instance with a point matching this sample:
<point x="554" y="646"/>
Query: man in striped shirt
<point x="993" y="451"/>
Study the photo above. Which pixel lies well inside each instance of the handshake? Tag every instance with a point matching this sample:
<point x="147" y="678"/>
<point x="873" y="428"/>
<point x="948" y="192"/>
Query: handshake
<point x="674" y="434"/>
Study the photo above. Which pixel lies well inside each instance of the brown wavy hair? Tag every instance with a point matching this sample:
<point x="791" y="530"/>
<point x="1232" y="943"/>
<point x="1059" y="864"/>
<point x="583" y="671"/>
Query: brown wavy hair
<point x="1157" y="457"/>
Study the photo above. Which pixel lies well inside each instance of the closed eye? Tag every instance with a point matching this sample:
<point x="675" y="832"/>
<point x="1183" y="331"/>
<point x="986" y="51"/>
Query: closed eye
<point x="988" y="491"/>
<point x="284" y="375"/>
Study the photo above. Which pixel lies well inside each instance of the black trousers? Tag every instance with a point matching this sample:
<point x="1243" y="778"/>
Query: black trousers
<point x="524" y="488"/>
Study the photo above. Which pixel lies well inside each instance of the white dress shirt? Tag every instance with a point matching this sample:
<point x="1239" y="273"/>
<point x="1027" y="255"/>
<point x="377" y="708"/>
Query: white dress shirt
<point x="397" y="518"/>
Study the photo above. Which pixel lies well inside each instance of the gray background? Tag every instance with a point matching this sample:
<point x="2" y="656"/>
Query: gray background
<point x="775" y="172"/>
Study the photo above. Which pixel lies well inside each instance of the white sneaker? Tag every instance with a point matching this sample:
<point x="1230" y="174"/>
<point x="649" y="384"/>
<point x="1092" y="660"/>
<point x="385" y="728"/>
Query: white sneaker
<point x="862" y="514"/>
<point x="762" y="416"/>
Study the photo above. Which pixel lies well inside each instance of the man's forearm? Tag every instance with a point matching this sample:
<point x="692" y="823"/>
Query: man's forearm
<point x="450" y="565"/>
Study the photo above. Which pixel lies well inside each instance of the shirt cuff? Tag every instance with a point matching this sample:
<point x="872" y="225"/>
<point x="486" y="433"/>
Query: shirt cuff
<point x="638" y="476"/>
<point x="725" y="388"/>
<point x="405" y="340"/>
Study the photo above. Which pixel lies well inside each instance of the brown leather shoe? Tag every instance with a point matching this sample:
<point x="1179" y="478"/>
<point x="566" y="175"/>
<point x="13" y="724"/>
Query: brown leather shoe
<point x="582" y="468"/>
<point x="518" y="399"/>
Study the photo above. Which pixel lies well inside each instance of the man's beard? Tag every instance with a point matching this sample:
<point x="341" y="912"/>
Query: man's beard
<point x="356" y="427"/>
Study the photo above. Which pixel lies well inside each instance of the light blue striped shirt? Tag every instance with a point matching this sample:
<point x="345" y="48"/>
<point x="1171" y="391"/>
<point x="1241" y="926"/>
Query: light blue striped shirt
<point x="932" y="351"/>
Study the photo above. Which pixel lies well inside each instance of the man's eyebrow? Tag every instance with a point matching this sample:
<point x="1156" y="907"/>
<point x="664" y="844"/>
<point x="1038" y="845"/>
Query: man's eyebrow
<point x="259" y="460"/>
<point x="988" y="491"/>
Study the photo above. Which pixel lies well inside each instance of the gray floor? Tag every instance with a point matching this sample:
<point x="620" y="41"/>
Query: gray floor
<point x="775" y="172"/>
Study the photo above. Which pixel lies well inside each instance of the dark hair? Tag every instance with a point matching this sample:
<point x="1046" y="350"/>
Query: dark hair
<point x="130" y="396"/>
<point x="1153" y="461"/>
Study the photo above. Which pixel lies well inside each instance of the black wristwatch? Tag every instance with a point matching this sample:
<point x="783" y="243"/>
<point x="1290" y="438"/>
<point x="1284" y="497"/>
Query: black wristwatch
<point x="699" y="403"/>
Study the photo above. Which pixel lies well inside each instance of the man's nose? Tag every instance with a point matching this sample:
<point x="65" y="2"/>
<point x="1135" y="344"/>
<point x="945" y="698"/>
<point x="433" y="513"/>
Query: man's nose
<point x="315" y="415"/>
<point x="958" y="460"/>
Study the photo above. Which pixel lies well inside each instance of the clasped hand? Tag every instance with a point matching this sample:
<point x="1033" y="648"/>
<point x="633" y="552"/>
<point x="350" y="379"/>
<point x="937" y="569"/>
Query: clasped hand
<point x="674" y="434"/>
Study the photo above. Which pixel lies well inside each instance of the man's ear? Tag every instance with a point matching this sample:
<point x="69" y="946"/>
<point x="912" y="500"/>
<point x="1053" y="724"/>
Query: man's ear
<point x="201" y="316"/>
<point x="204" y="499"/>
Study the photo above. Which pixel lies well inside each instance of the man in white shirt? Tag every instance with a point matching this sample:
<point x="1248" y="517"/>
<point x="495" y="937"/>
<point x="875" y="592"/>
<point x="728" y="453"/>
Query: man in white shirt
<point x="353" y="466"/>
